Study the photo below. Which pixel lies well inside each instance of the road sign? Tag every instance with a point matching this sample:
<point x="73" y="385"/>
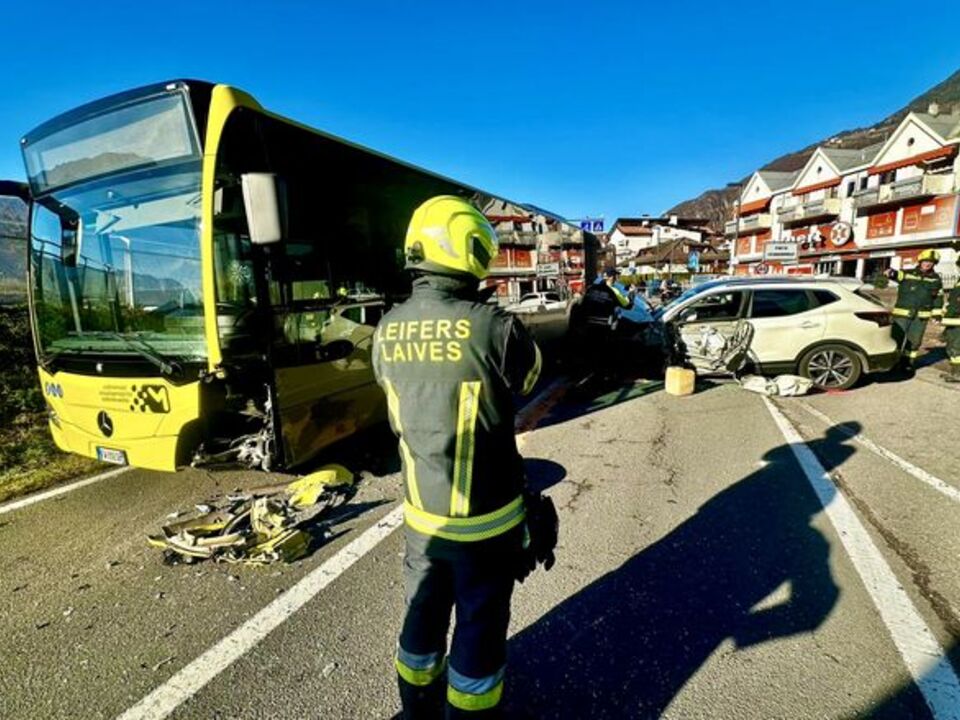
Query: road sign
<point x="693" y="260"/>
<point x="586" y="225"/>
<point x="781" y="251"/>
<point x="548" y="269"/>
<point x="597" y="226"/>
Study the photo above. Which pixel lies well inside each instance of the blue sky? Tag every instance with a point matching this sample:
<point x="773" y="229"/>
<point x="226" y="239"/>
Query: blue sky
<point x="612" y="108"/>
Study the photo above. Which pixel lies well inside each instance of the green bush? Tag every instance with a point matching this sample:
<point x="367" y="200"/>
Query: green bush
<point x="19" y="387"/>
<point x="878" y="280"/>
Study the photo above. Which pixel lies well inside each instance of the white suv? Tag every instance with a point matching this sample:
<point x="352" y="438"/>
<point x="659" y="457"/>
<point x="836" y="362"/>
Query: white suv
<point x="830" y="330"/>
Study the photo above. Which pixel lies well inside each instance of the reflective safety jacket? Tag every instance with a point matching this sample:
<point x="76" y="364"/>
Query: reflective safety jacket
<point x="951" y="311"/>
<point x="919" y="295"/>
<point x="449" y="366"/>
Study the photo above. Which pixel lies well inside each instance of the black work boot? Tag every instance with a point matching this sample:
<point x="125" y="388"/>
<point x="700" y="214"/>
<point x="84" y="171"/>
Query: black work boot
<point x="423" y="703"/>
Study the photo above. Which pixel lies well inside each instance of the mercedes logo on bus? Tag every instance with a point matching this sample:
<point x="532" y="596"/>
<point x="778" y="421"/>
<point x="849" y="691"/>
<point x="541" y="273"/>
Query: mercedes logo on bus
<point x="105" y="423"/>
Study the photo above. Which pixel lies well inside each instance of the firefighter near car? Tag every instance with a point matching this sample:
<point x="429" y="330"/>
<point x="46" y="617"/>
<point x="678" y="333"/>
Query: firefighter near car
<point x="919" y="298"/>
<point x="450" y="366"/>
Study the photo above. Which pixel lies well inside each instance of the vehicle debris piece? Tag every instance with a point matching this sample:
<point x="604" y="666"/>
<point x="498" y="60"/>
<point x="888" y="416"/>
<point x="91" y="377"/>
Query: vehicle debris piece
<point x="263" y="525"/>
<point x="782" y="385"/>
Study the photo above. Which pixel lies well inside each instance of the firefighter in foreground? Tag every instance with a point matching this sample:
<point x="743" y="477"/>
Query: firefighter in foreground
<point x="449" y="366"/>
<point x="919" y="298"/>
<point x="951" y="333"/>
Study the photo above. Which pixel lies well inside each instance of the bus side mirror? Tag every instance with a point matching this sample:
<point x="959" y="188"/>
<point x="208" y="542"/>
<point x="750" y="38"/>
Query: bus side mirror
<point x="265" y="202"/>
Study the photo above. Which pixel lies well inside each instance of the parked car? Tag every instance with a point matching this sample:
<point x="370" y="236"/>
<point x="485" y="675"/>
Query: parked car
<point x="830" y="330"/>
<point x="539" y="301"/>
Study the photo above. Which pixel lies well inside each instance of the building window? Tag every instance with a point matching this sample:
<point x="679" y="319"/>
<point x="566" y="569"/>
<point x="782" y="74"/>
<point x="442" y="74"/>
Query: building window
<point x="888" y="177"/>
<point x="851" y="187"/>
<point x="863" y="182"/>
<point x="910" y="142"/>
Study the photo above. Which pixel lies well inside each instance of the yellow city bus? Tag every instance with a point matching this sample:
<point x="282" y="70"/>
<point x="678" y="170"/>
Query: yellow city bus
<point x="205" y="276"/>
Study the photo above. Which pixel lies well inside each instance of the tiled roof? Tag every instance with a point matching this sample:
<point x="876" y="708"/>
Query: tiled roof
<point x="777" y="180"/>
<point x="847" y="158"/>
<point x="947" y="126"/>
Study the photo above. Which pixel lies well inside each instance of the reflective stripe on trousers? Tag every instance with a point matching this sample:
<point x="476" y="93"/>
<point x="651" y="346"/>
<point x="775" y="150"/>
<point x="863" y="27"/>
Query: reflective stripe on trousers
<point x="419" y="669"/>
<point x="467" y="693"/>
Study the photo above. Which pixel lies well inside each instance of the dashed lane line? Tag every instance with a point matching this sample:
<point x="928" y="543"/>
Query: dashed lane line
<point x="908" y="467"/>
<point x="922" y="654"/>
<point x="193" y="677"/>
<point x="61" y="490"/>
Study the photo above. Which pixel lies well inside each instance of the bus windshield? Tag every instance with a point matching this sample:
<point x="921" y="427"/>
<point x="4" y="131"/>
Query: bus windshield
<point x="116" y="265"/>
<point x="152" y="131"/>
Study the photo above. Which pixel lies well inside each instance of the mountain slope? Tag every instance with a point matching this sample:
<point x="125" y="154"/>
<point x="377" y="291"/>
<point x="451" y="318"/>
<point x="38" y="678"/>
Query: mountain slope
<point x="718" y="204"/>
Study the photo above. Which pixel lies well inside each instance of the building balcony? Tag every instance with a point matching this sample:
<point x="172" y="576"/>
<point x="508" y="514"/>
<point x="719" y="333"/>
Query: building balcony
<point x="750" y="223"/>
<point x="896" y="193"/>
<point x="523" y="238"/>
<point x="866" y="197"/>
<point x="788" y="213"/>
<point x="923" y="186"/>
<point x="822" y="208"/>
<point x="810" y="210"/>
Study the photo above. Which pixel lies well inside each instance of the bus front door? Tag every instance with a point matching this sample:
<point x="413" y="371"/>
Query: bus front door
<point x="324" y="383"/>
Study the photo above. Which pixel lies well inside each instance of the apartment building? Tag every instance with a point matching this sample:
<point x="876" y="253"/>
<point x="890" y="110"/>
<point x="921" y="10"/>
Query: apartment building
<point x="631" y="236"/>
<point x="753" y="223"/>
<point x="856" y="212"/>
<point x="538" y="251"/>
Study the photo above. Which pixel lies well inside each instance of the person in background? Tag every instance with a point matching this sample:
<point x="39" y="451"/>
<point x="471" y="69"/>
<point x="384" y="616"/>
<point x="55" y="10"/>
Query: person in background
<point x="919" y="298"/>
<point x="951" y="333"/>
<point x="610" y="277"/>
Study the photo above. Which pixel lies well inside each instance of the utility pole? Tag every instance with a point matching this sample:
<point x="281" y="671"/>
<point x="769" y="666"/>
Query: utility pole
<point x="736" y="217"/>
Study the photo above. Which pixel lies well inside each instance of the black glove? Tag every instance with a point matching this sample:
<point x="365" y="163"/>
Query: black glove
<point x="542" y="531"/>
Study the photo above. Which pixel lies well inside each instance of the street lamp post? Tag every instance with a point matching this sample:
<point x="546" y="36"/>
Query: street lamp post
<point x="736" y="217"/>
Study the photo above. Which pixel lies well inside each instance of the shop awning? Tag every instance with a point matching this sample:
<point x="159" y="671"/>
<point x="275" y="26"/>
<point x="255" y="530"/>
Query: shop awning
<point x="945" y="152"/>
<point x="754" y="206"/>
<point x="817" y="186"/>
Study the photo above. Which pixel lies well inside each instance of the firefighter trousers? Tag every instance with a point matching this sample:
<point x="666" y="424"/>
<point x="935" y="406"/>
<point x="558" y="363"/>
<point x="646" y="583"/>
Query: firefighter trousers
<point x="908" y="332"/>
<point x="477" y="582"/>
<point x="951" y="336"/>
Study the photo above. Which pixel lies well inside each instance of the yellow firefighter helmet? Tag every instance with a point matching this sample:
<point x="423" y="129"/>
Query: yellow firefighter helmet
<point x="448" y="235"/>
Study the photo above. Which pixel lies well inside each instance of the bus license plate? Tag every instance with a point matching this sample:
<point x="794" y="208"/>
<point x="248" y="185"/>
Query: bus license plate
<point x="117" y="457"/>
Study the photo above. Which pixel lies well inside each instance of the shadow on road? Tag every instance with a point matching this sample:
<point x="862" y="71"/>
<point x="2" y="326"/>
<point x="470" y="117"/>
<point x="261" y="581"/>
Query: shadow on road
<point x="626" y="644"/>
<point x="542" y="473"/>
<point x="908" y="702"/>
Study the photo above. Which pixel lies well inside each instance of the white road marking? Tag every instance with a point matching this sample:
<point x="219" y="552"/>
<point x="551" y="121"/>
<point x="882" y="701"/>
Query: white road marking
<point x="919" y="473"/>
<point x="193" y="677"/>
<point x="921" y="653"/>
<point x="62" y="490"/>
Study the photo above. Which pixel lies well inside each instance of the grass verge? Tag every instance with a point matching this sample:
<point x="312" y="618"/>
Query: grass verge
<point x="30" y="461"/>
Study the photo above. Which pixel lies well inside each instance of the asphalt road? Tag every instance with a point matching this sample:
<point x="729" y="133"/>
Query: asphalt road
<point x="703" y="572"/>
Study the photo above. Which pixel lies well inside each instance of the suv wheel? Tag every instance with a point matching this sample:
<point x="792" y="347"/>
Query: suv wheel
<point x="831" y="367"/>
